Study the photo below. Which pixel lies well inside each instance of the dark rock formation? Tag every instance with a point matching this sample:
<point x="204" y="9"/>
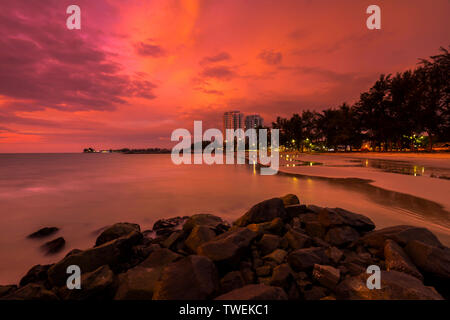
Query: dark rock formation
<point x="278" y="250"/>
<point x="116" y="231"/>
<point x="54" y="246"/>
<point x="44" y="232"/>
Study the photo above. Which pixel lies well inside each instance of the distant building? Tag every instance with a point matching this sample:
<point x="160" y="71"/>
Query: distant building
<point x="233" y="120"/>
<point x="253" y="121"/>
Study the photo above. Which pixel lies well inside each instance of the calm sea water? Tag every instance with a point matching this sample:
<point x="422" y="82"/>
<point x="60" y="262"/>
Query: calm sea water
<point x="81" y="193"/>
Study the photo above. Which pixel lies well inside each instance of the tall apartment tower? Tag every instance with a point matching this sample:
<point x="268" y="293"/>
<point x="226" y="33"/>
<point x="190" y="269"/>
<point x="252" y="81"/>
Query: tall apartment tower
<point x="253" y="121"/>
<point x="233" y="120"/>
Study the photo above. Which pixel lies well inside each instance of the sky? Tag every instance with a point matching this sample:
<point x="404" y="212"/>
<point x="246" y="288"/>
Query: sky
<point x="137" y="69"/>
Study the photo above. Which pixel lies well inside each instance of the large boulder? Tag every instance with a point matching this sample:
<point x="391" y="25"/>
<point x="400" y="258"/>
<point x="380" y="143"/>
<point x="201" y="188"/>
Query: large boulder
<point x="400" y="234"/>
<point x="110" y="253"/>
<point x="305" y="259"/>
<point x="276" y="256"/>
<point x="99" y="284"/>
<point x="137" y="283"/>
<point x="327" y="276"/>
<point x="432" y="260"/>
<point x="32" y="291"/>
<point x="164" y="227"/>
<point x="191" y="278"/>
<point x="37" y="274"/>
<point x="6" y="290"/>
<point x="268" y="243"/>
<point x="230" y="281"/>
<point x="282" y="276"/>
<point x="206" y="220"/>
<point x="276" y="226"/>
<point x="340" y="217"/>
<point x="229" y="247"/>
<point x="340" y="236"/>
<point x="199" y="235"/>
<point x="54" y="246"/>
<point x="396" y="259"/>
<point x="297" y="240"/>
<point x="263" y="212"/>
<point x="160" y="258"/>
<point x="255" y="292"/>
<point x="44" y="232"/>
<point x="116" y="231"/>
<point x="394" y="286"/>
<point x="290" y="199"/>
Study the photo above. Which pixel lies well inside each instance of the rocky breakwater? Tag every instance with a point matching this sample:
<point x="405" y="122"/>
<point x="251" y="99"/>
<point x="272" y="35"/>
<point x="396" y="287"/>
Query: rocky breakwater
<point x="278" y="250"/>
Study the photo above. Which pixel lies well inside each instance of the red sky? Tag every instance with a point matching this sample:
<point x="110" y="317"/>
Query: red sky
<point x="139" y="69"/>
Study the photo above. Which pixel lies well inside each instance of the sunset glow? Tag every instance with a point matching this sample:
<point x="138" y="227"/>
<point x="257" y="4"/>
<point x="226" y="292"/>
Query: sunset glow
<point x="137" y="69"/>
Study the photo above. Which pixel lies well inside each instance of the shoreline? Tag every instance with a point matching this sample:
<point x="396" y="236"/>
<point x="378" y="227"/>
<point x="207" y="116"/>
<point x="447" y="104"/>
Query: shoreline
<point x="278" y="250"/>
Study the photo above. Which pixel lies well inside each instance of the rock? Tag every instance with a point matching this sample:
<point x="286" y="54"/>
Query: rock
<point x="263" y="212"/>
<point x="116" y="231"/>
<point x="248" y="275"/>
<point x="37" y="274"/>
<point x="400" y="234"/>
<point x="231" y="281"/>
<point x="268" y="243"/>
<point x="277" y="256"/>
<point x="394" y="286"/>
<point x="54" y="246"/>
<point x="32" y="291"/>
<point x="340" y="217"/>
<point x="290" y="199"/>
<point x="293" y="211"/>
<point x="199" y="235"/>
<point x="305" y="259"/>
<point x="297" y="240"/>
<point x="44" y="232"/>
<point x="275" y="226"/>
<point x="99" y="284"/>
<point x="206" y="220"/>
<point x="191" y="278"/>
<point x="308" y="217"/>
<point x="315" y="229"/>
<point x="432" y="260"/>
<point x="164" y="227"/>
<point x="334" y="254"/>
<point x="340" y="236"/>
<point x="229" y="247"/>
<point x="263" y="271"/>
<point x="160" y="258"/>
<point x="314" y="209"/>
<point x="255" y="292"/>
<point x="110" y="253"/>
<point x="326" y="275"/>
<point x="5" y="290"/>
<point x="398" y="260"/>
<point x="281" y="276"/>
<point x="138" y="283"/>
<point x="174" y="238"/>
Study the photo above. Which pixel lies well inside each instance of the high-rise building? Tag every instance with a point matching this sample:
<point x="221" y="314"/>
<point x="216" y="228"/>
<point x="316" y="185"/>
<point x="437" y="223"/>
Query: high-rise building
<point x="233" y="120"/>
<point x="253" y="121"/>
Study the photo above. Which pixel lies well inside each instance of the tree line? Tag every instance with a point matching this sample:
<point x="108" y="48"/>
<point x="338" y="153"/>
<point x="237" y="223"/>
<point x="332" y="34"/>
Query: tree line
<point x="407" y="110"/>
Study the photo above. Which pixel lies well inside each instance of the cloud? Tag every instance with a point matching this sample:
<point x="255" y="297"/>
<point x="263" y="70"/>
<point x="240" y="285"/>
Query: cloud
<point x="216" y="58"/>
<point x="271" y="57"/>
<point x="149" y="50"/>
<point x="218" y="72"/>
<point x="48" y="66"/>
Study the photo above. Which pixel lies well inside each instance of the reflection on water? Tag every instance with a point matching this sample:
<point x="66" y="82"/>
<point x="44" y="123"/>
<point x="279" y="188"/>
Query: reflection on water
<point x="404" y="167"/>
